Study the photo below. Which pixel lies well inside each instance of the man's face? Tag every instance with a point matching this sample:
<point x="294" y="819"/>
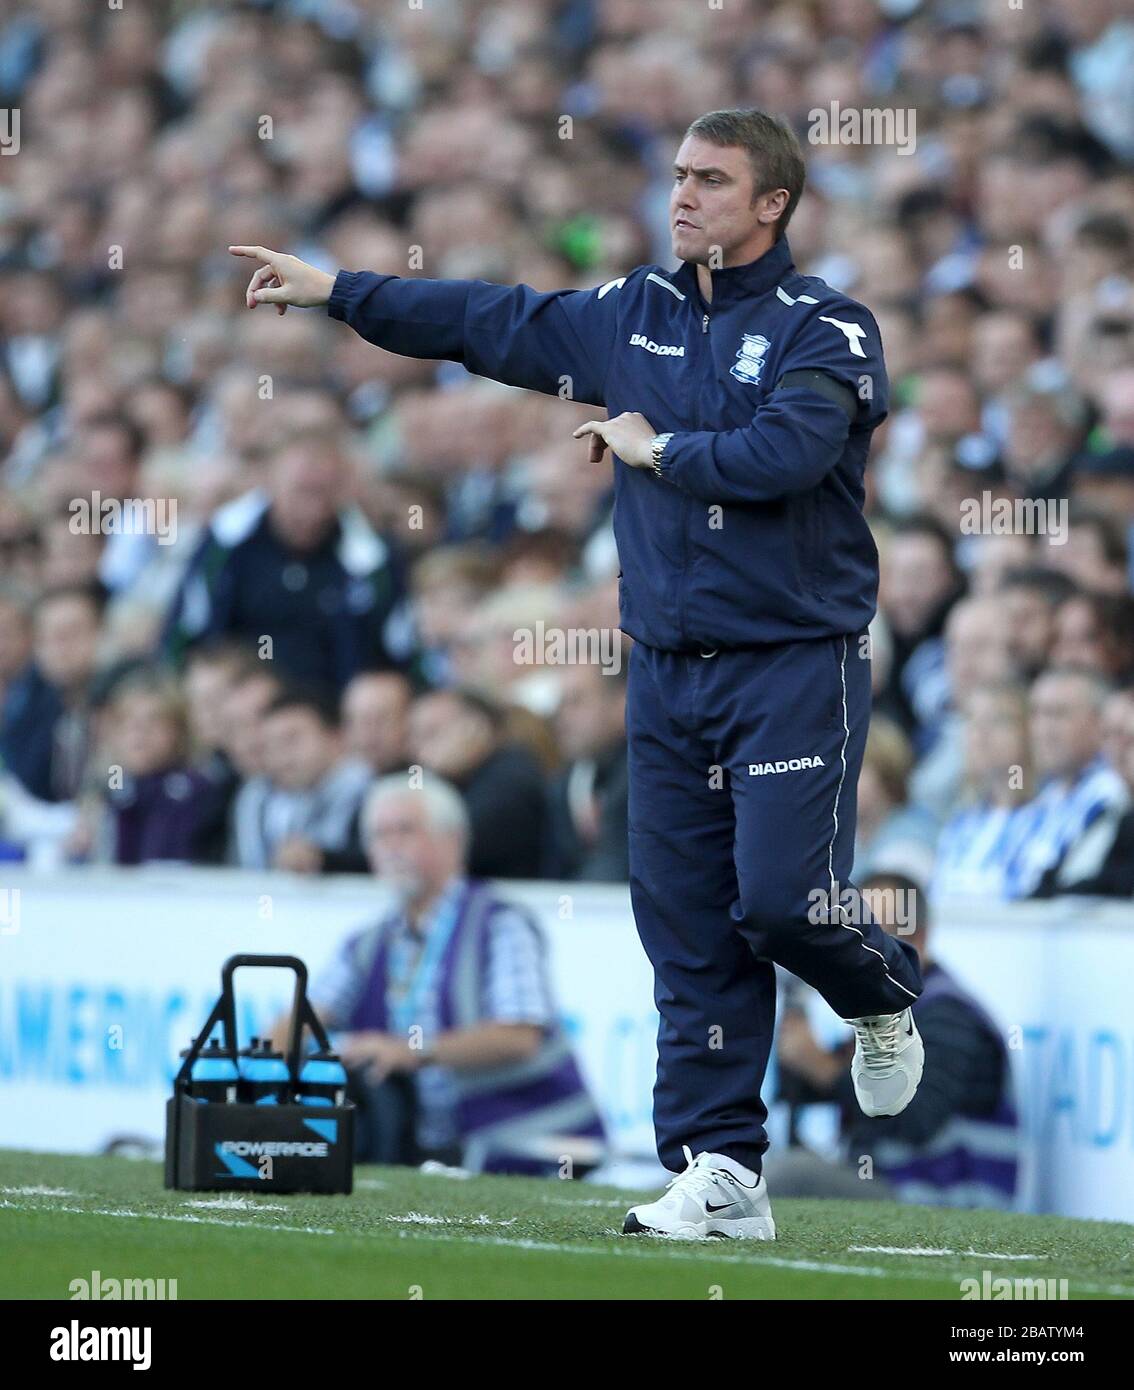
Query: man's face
<point x="66" y="640"/>
<point x="1003" y="349"/>
<point x="307" y="488"/>
<point x="1118" y="734"/>
<point x="298" y="749"/>
<point x="441" y="610"/>
<point x="710" y="205"/>
<point x="107" y="460"/>
<point x="446" y="737"/>
<point x="148" y="737"/>
<point x="1065" y="725"/>
<point x="895" y="910"/>
<point x="590" y="711"/>
<point x="406" y="851"/>
<point x="917" y="579"/>
<point x="976" y="644"/>
<point x="374" y="720"/>
<point x="208" y="687"/>
<point x="1036" y="434"/>
<point x="996" y="738"/>
<point x="947" y="406"/>
<point x="244" y="723"/>
<point x="1079" y="641"/>
<point x="1031" y="627"/>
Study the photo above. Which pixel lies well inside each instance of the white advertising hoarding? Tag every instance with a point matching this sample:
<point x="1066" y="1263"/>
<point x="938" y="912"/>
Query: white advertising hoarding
<point x="106" y="974"/>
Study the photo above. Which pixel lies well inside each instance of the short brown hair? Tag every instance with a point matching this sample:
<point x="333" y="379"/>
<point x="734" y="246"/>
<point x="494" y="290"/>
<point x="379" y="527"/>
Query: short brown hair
<point x="773" y="151"/>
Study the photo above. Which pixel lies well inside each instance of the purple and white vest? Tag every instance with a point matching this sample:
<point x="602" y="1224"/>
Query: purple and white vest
<point x="509" y="1117"/>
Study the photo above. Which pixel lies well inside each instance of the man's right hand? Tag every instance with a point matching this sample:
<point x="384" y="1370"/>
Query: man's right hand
<point x="283" y="280"/>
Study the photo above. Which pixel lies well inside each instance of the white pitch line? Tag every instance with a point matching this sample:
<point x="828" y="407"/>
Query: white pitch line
<point x="238" y="1225"/>
<point x="173" y="1216"/>
<point x="39" y="1191"/>
<point x="418" y="1218"/>
<point x="924" y="1250"/>
<point x="235" y="1202"/>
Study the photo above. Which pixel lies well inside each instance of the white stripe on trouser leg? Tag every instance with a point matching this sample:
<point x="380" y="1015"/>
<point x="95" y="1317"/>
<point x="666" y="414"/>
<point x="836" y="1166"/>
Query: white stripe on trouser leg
<point x="834" y="833"/>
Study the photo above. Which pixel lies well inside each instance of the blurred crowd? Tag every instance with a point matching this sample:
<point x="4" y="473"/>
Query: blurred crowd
<point x="348" y="542"/>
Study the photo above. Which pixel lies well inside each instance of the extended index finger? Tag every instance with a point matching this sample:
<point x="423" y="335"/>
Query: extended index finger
<point x="258" y="253"/>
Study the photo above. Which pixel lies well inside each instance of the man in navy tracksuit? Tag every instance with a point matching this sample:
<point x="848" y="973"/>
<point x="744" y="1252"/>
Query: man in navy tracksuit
<point x="741" y="397"/>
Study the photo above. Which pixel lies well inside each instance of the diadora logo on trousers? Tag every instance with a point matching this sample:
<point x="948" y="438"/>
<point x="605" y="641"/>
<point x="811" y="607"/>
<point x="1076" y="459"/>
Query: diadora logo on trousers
<point x="662" y="349"/>
<point x="784" y="765"/>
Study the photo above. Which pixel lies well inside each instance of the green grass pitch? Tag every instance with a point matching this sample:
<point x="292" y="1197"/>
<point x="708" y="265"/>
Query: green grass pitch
<point x="405" y="1234"/>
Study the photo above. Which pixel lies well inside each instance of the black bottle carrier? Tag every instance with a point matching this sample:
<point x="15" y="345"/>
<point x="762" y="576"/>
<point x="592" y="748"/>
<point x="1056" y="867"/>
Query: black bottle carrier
<point x="243" y="1147"/>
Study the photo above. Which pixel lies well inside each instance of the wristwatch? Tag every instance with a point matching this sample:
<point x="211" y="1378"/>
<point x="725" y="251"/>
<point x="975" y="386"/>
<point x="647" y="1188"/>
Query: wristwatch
<point x="657" y="448"/>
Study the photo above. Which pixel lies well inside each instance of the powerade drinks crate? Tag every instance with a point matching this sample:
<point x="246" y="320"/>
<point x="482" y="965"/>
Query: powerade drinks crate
<point x="251" y="1120"/>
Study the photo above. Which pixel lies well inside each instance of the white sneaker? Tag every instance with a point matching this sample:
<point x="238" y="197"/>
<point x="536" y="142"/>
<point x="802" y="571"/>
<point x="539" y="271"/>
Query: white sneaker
<point x="710" y="1198"/>
<point x="887" y="1062"/>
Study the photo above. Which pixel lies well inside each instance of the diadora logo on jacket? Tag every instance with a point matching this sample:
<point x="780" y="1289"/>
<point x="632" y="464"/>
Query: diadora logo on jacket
<point x="662" y="349"/>
<point x="784" y="765"/>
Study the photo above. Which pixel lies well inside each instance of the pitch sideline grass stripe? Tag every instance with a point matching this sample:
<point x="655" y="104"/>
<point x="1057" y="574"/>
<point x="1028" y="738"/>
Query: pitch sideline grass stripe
<point x="185" y="1217"/>
<point x="697" y="1250"/>
<point x="657" y="1246"/>
<point x="1064" y="1247"/>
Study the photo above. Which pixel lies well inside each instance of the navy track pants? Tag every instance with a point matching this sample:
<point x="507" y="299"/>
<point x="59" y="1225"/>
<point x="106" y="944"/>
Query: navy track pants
<point x="743" y="777"/>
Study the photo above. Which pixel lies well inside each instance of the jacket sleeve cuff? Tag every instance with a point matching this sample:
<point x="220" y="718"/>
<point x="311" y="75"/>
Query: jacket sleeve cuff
<point x="669" y="465"/>
<point x="345" y="292"/>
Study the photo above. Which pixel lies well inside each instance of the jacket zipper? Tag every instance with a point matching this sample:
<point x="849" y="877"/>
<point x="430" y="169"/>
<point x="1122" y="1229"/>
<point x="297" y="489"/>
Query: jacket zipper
<point x="687" y="500"/>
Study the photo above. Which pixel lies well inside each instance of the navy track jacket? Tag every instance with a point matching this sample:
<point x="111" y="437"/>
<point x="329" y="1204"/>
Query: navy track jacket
<point x="755" y="534"/>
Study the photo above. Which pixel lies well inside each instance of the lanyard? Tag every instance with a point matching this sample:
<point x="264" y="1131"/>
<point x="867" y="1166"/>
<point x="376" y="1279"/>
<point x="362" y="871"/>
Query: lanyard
<point x="409" y="991"/>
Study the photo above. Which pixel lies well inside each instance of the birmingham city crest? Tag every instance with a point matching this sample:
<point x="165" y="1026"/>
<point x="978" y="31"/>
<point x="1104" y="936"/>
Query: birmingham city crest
<point x="749" y="364"/>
